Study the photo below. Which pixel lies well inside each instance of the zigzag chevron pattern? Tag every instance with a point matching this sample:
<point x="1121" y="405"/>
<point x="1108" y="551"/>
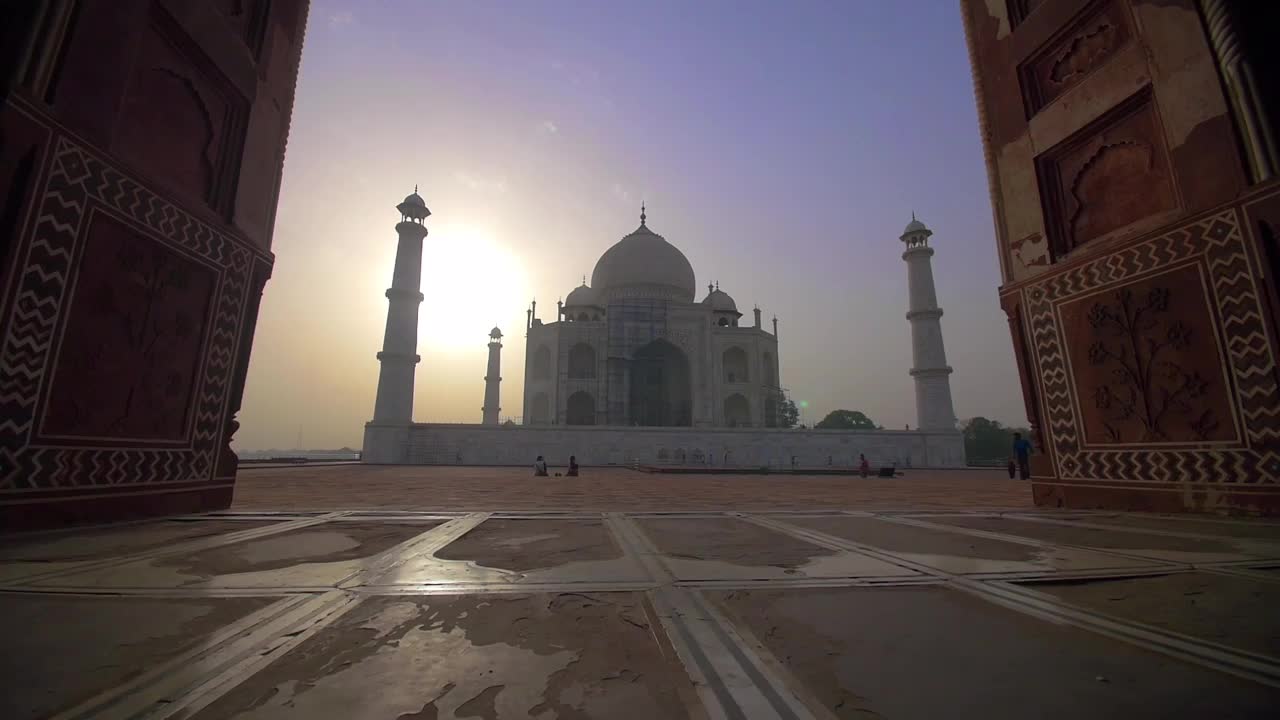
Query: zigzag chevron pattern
<point x="77" y="180"/>
<point x="1218" y="243"/>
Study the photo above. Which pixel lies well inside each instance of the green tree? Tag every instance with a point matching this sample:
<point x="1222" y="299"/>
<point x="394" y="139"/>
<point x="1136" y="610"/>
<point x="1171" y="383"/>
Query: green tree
<point x="788" y="413"/>
<point x="987" y="441"/>
<point x="846" y="420"/>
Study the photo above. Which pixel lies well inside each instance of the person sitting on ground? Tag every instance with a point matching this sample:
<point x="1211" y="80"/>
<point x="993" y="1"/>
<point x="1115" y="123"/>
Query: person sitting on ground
<point x="573" y="467"/>
<point x="864" y="467"/>
<point x="539" y="467"/>
<point x="1012" y="468"/>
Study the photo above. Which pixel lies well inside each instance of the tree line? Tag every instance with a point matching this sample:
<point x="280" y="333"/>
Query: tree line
<point x="986" y="442"/>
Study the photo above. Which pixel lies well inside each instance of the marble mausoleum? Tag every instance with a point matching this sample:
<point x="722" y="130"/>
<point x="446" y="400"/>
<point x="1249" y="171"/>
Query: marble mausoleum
<point x="635" y="369"/>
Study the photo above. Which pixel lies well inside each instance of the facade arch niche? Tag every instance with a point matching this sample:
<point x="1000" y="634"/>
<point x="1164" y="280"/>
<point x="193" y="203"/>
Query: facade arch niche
<point x="770" y="369"/>
<point x="661" y="390"/>
<point x="771" y="411"/>
<point x="582" y="362"/>
<point x="540" y="409"/>
<point x="735" y="365"/>
<point x="581" y="409"/>
<point x="542" y="363"/>
<point x="737" y="411"/>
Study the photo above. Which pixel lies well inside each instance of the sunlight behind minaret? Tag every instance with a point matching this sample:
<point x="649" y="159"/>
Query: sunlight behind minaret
<point x="470" y="282"/>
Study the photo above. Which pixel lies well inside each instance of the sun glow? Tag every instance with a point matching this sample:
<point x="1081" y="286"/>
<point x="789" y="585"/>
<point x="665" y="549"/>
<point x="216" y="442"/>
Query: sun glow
<point x="471" y="283"/>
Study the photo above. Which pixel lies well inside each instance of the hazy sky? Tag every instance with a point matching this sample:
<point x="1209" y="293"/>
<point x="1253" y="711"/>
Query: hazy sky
<point x="781" y="146"/>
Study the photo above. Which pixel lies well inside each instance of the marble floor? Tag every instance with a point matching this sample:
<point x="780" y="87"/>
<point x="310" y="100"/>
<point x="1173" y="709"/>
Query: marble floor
<point x="643" y="613"/>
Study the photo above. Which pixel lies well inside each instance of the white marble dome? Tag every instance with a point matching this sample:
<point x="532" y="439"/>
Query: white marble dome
<point x="581" y="296"/>
<point x="915" y="226"/>
<point x="720" y="300"/>
<point x="646" y="262"/>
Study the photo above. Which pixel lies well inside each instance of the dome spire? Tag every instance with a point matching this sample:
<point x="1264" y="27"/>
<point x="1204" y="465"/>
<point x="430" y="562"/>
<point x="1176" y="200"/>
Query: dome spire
<point x="642" y="216"/>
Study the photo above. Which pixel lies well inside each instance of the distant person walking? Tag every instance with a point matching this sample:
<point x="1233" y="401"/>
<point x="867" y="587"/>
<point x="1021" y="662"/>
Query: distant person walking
<point x="573" y="467"/>
<point x="864" y="467"/>
<point x="1022" y="451"/>
<point x="539" y="467"/>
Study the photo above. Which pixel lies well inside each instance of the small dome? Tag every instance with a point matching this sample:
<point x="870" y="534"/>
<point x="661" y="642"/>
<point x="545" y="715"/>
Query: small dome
<point x="644" y="259"/>
<point x="416" y="200"/>
<point x="495" y="333"/>
<point x="915" y="226"/>
<point x="720" y="301"/>
<point x="582" y="296"/>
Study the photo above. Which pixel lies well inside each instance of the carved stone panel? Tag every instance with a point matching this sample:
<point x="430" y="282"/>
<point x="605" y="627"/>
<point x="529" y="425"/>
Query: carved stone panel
<point x="132" y="342"/>
<point x="1147" y="363"/>
<point x="180" y="121"/>
<point x="1067" y="59"/>
<point x="1107" y="177"/>
<point x="1178" y="418"/>
<point x="179" y="290"/>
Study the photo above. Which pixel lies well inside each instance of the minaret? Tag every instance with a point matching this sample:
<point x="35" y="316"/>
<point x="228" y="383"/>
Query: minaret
<point x="492" y="378"/>
<point x="399" y="354"/>
<point x="934" y="410"/>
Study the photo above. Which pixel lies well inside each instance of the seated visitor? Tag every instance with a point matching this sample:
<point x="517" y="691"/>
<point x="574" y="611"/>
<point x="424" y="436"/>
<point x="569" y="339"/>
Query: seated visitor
<point x="539" y="467"/>
<point x="573" y="467"/>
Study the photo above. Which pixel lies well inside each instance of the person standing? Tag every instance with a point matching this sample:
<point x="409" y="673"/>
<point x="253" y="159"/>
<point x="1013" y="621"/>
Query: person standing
<point x="1022" y="451"/>
<point x="864" y="467"/>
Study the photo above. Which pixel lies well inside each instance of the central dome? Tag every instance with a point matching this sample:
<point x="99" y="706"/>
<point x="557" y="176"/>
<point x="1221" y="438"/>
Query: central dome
<point x="644" y="264"/>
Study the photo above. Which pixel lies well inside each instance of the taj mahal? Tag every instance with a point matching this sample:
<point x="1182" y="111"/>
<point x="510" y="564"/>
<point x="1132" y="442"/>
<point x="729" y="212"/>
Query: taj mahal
<point x="636" y="348"/>
<point x="636" y="369"/>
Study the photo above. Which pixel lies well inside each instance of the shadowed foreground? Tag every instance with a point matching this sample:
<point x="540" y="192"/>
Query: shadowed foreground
<point x="412" y="592"/>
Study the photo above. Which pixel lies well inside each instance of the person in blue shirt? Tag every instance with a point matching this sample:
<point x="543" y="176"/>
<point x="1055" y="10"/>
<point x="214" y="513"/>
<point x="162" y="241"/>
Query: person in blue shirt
<point x="1022" y="451"/>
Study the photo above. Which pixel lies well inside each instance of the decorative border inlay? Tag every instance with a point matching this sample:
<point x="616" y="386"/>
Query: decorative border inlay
<point x="1218" y="242"/>
<point x="76" y="181"/>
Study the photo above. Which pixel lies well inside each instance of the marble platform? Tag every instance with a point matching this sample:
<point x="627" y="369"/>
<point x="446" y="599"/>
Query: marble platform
<point x="795" y="613"/>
